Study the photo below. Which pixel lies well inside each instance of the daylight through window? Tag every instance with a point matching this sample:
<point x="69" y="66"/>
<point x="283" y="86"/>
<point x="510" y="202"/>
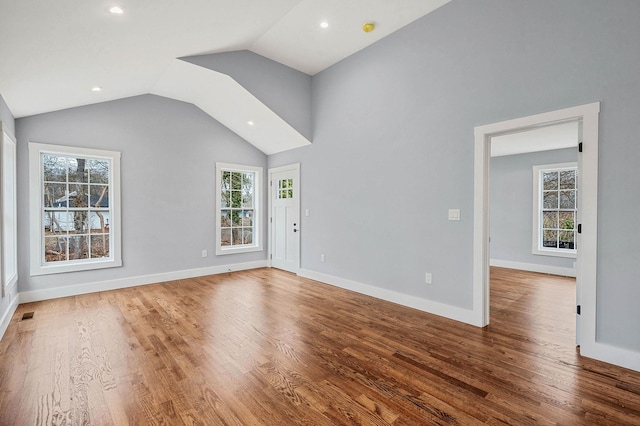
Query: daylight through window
<point x="557" y="192"/>
<point x="238" y="208"/>
<point x="77" y="208"/>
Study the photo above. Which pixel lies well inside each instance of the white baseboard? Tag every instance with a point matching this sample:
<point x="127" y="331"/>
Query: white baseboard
<point x="607" y="353"/>
<point x="425" y="305"/>
<point x="533" y="267"/>
<point x="74" y="290"/>
<point x="612" y="354"/>
<point x="6" y="318"/>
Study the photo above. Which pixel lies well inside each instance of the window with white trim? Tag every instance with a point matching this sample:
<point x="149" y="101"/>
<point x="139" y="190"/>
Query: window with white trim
<point x="74" y="208"/>
<point x="238" y="207"/>
<point x="555" y="194"/>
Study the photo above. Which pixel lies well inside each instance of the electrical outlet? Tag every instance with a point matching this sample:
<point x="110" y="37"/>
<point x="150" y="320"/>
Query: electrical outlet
<point x="204" y="253"/>
<point x="427" y="278"/>
<point x="322" y="258"/>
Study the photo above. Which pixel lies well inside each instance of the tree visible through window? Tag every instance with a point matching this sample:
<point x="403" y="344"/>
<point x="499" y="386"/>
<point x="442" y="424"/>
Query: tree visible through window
<point x="236" y="213"/>
<point x="557" y="208"/>
<point x="238" y="208"/>
<point x="76" y="215"/>
<point x="76" y="208"/>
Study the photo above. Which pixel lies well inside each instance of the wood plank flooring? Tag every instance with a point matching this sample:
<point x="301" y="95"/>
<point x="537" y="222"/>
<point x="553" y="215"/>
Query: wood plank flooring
<point x="265" y="347"/>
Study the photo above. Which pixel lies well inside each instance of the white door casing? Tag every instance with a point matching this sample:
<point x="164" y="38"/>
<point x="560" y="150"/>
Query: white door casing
<point x="586" y="262"/>
<point x="284" y="217"/>
<point x="579" y="274"/>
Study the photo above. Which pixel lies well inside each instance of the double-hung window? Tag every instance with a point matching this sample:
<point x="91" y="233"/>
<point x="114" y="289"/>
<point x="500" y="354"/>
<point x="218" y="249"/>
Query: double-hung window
<point x="74" y="208"/>
<point x="555" y="194"/>
<point x="238" y="217"/>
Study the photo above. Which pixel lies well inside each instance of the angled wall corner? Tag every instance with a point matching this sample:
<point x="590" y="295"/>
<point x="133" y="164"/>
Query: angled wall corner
<point x="227" y="101"/>
<point x="284" y="90"/>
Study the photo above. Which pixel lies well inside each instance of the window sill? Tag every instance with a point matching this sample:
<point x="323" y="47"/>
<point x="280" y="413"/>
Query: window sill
<point x="221" y="251"/>
<point x="556" y="253"/>
<point x="73" y="267"/>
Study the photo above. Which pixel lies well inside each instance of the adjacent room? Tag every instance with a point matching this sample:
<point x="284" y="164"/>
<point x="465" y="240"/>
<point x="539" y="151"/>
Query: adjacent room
<point x="319" y="212"/>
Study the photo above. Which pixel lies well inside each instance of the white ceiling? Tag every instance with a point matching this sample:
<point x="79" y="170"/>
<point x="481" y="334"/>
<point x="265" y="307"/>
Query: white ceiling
<point x="557" y="136"/>
<point x="53" y="52"/>
<point x="204" y="88"/>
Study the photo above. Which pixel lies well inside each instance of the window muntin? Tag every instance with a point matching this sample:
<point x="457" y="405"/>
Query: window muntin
<point x="555" y="209"/>
<point x="285" y="189"/>
<point x="75" y="209"/>
<point x="238" y="208"/>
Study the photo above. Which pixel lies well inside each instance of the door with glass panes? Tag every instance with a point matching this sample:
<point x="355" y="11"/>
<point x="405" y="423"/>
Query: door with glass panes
<point x="285" y="217"/>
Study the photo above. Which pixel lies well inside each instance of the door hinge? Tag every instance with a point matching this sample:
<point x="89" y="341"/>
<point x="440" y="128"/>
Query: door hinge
<point x="580" y="147"/>
<point x="271" y="220"/>
<point x="271" y="256"/>
<point x="579" y="228"/>
<point x="578" y="309"/>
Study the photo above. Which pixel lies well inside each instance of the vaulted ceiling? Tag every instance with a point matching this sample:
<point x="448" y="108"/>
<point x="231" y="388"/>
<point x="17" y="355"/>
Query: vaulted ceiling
<point x="53" y="53"/>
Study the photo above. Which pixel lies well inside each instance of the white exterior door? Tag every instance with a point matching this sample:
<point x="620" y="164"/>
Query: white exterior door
<point x="284" y="185"/>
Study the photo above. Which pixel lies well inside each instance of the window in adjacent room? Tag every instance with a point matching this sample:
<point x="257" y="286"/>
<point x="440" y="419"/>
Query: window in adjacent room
<point x="238" y="214"/>
<point x="555" y="189"/>
<point x="74" y="208"/>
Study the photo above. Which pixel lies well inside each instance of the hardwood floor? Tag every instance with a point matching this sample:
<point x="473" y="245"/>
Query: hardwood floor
<point x="265" y="347"/>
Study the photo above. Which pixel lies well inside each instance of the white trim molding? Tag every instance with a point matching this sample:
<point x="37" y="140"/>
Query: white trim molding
<point x="587" y="259"/>
<point x="94" y="287"/>
<point x="8" y="211"/>
<point x="11" y="309"/>
<point x="37" y="238"/>
<point x="258" y="202"/>
<point x="534" y="267"/>
<point x="536" y="226"/>
<point x="425" y="305"/>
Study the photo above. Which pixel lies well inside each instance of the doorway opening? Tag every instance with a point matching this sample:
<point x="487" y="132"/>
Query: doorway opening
<point x="533" y="208"/>
<point x="586" y="261"/>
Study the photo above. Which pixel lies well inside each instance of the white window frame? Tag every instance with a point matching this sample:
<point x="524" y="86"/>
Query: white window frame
<point x="8" y="212"/>
<point x="36" y="208"/>
<point x="257" y="244"/>
<point x="537" y="248"/>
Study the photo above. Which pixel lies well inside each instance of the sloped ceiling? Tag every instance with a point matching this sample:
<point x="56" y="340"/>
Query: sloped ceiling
<point x="54" y="52"/>
<point x="223" y="98"/>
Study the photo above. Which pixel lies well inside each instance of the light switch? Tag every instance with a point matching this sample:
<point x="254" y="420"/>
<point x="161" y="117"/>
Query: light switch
<point x="454" y="214"/>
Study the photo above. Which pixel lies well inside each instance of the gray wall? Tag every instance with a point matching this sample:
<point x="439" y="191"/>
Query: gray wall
<point x="285" y="90"/>
<point x="393" y="142"/>
<point x="393" y="150"/>
<point x="169" y="150"/>
<point x="7" y="119"/>
<point x="511" y="206"/>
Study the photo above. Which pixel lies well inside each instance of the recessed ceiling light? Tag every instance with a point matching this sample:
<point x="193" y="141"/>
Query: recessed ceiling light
<point x="117" y="10"/>
<point x="324" y="24"/>
<point x="96" y="89"/>
<point x="250" y="123"/>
